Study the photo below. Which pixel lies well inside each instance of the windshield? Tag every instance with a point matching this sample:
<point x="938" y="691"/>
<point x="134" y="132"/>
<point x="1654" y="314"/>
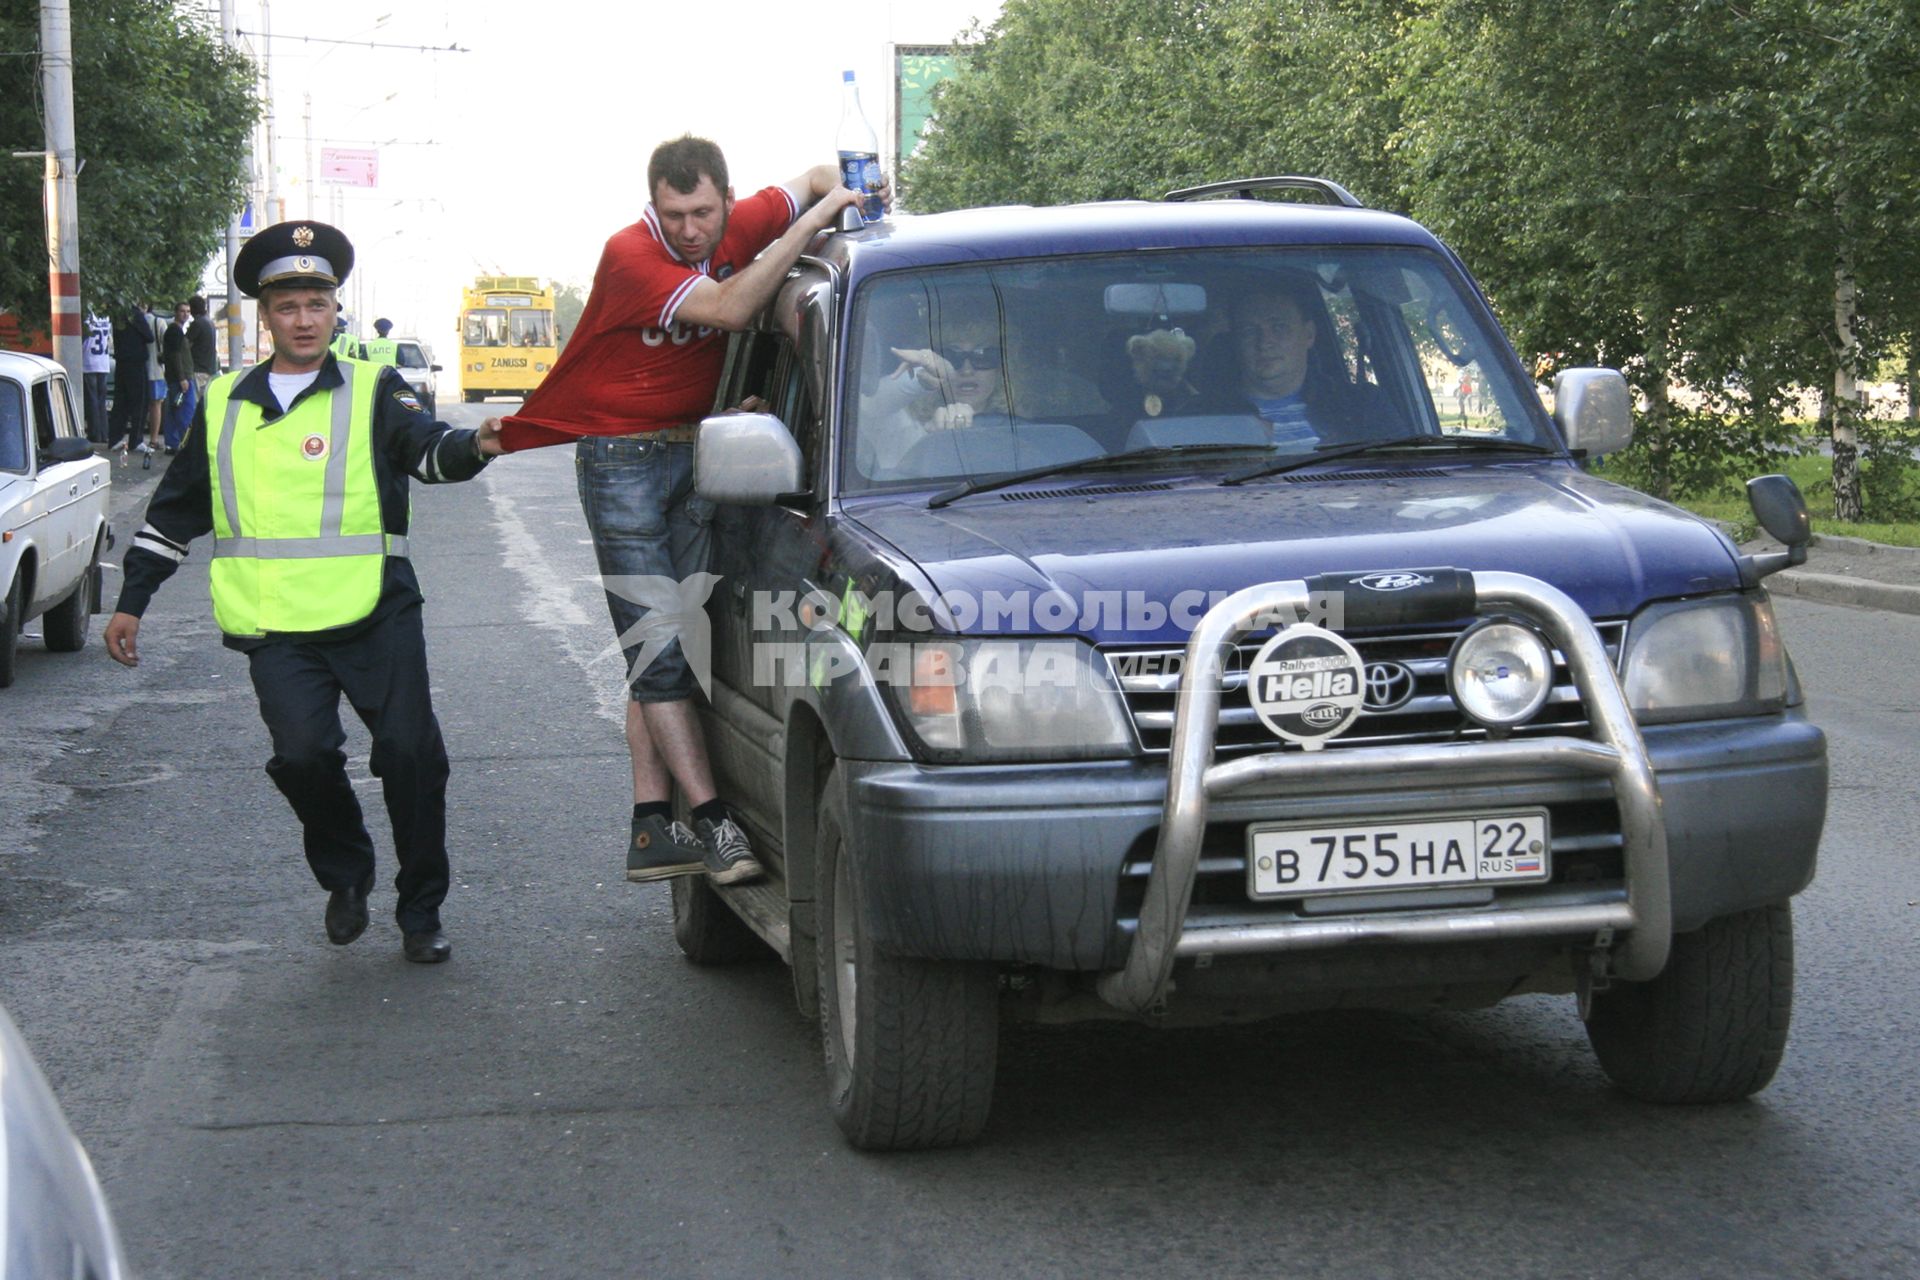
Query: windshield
<point x="486" y="328"/>
<point x="13" y="430"/>
<point x="963" y="373"/>
<point x="532" y="328"/>
<point x="410" y="356"/>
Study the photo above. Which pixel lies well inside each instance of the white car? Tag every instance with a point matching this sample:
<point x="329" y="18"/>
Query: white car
<point x="53" y="1219"/>
<point x="53" y="510"/>
<point x="414" y="359"/>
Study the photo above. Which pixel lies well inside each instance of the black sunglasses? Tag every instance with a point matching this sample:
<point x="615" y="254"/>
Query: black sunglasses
<point x="986" y="357"/>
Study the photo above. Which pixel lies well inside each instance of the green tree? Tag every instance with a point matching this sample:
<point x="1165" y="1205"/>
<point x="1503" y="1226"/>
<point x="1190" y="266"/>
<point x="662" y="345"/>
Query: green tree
<point x="162" y="113"/>
<point x="1720" y="192"/>
<point x="1716" y="192"/>
<point x="1845" y="117"/>
<point x="1064" y="100"/>
<point x="569" y="300"/>
<point x="1601" y="169"/>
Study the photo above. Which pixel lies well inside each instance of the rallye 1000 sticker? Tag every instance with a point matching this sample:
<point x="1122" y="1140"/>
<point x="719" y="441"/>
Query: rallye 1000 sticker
<point x="1306" y="685"/>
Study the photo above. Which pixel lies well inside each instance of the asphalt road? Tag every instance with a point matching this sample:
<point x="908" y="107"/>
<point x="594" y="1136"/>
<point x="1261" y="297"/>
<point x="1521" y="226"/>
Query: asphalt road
<point x="567" y="1097"/>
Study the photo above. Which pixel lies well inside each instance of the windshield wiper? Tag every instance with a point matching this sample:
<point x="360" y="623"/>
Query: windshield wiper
<point x="1328" y="453"/>
<point x="982" y="485"/>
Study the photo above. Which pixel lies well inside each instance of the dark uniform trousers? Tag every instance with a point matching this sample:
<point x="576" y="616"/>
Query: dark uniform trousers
<point x="383" y="672"/>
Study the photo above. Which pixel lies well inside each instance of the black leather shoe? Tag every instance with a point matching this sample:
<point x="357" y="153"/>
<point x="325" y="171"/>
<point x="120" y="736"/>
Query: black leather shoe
<point x="429" y="946"/>
<point x="347" y="913"/>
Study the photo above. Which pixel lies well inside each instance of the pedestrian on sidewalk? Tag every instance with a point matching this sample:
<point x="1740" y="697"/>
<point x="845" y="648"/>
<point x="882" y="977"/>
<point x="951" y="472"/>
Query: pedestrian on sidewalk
<point x="176" y="358"/>
<point x="298" y="467"/>
<point x="96" y="355"/>
<point x="130" y="339"/>
<point x="202" y="347"/>
<point x="156" y="379"/>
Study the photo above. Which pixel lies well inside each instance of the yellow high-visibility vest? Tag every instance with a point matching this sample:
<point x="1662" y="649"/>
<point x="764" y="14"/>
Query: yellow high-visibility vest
<point x="297" y="539"/>
<point x="381" y="350"/>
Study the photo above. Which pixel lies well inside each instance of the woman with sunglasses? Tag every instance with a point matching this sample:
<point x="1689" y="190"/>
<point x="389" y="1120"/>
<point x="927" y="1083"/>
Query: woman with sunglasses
<point x="945" y="387"/>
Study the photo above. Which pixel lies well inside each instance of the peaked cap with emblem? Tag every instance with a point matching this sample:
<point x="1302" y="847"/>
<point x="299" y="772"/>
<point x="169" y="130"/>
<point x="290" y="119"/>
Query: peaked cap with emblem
<point x="308" y="254"/>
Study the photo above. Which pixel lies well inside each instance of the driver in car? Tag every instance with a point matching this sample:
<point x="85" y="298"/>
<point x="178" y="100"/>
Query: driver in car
<point x="1290" y="372"/>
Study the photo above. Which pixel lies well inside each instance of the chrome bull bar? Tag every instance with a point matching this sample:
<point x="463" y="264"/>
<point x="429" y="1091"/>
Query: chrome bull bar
<point x="1636" y="934"/>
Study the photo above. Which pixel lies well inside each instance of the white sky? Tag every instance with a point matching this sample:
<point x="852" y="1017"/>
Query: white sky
<point x="522" y="156"/>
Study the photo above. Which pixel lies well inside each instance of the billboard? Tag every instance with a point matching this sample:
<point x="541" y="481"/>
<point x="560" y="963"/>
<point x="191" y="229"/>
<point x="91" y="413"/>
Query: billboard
<point x="917" y="68"/>
<point x="350" y="166"/>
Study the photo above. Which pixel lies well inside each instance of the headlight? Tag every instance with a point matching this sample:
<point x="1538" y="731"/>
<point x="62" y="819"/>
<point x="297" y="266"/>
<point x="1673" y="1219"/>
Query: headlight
<point x="1696" y="659"/>
<point x="1500" y="672"/>
<point x="1006" y="699"/>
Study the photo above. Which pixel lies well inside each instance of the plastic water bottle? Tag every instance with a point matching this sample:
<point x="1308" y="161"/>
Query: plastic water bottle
<point x="859" y="150"/>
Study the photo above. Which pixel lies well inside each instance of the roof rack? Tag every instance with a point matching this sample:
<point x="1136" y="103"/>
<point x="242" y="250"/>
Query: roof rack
<point x="1329" y="191"/>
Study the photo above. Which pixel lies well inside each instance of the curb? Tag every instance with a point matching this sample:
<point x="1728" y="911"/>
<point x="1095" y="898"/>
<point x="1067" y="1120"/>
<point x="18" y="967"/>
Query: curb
<point x="1831" y="588"/>
<point x="1860" y="546"/>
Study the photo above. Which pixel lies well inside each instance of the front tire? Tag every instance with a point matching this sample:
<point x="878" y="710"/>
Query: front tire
<point x="9" y="633"/>
<point x="65" y="624"/>
<point x="1712" y="1026"/>
<point x="909" y="1043"/>
<point x="707" y="930"/>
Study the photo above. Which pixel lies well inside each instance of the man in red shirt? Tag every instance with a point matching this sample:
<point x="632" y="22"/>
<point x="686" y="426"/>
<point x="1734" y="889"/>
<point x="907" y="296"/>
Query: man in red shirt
<point x="638" y="374"/>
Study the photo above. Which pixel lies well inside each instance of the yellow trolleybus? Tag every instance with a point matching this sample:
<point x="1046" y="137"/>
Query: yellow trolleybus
<point x="507" y="340"/>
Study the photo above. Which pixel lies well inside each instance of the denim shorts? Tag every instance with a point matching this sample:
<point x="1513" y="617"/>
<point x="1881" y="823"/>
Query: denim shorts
<point x="650" y="534"/>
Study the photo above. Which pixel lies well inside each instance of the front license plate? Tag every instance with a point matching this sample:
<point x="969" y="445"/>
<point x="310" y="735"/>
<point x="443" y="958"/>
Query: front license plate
<point x="1288" y="861"/>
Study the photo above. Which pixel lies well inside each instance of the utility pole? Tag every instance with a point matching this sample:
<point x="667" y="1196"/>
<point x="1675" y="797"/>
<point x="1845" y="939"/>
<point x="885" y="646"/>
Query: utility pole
<point x="63" y="217"/>
<point x="236" y="340"/>
<point x="274" y="211"/>
<point x="306" y="189"/>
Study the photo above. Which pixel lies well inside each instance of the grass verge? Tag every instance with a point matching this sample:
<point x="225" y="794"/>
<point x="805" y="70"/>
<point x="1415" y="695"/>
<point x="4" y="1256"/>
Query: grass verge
<point x="1813" y="473"/>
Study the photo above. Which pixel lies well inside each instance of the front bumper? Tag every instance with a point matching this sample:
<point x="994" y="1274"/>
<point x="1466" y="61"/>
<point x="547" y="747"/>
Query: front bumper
<point x="1067" y="866"/>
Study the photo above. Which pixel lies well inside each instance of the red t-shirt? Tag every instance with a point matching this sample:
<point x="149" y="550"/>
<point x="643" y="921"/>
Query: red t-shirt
<point x="628" y="366"/>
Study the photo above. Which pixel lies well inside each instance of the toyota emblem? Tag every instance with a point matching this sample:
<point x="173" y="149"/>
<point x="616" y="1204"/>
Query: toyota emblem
<point x="1389" y="686"/>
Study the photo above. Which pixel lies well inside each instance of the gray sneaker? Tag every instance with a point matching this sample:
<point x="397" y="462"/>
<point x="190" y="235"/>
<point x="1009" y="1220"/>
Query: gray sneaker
<point x="729" y="858"/>
<point x="661" y="848"/>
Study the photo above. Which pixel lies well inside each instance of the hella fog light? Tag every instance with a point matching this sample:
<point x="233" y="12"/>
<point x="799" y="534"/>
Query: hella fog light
<point x="1500" y="672"/>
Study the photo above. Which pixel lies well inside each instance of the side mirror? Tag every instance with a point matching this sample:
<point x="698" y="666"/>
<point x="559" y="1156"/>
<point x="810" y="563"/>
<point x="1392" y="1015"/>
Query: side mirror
<point x="433" y="368"/>
<point x="66" y="449"/>
<point x="746" y="459"/>
<point x="1782" y="511"/>
<point x="1593" y="409"/>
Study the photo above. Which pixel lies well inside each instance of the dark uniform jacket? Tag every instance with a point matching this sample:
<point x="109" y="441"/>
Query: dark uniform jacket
<point x="406" y="443"/>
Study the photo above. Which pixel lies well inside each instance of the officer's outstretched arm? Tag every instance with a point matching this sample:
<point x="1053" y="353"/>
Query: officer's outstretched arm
<point x="123" y="639"/>
<point x="487" y="440"/>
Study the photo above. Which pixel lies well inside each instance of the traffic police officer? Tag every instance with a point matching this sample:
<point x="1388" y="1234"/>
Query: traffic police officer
<point x="381" y="350"/>
<point x="298" y="468"/>
<point x="344" y="344"/>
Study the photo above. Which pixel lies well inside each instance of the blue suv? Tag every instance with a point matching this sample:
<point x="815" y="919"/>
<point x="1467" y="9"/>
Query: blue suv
<point x="1190" y="608"/>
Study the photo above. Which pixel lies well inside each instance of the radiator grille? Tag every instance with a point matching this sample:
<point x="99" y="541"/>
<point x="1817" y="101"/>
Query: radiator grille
<point x="1150" y="678"/>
